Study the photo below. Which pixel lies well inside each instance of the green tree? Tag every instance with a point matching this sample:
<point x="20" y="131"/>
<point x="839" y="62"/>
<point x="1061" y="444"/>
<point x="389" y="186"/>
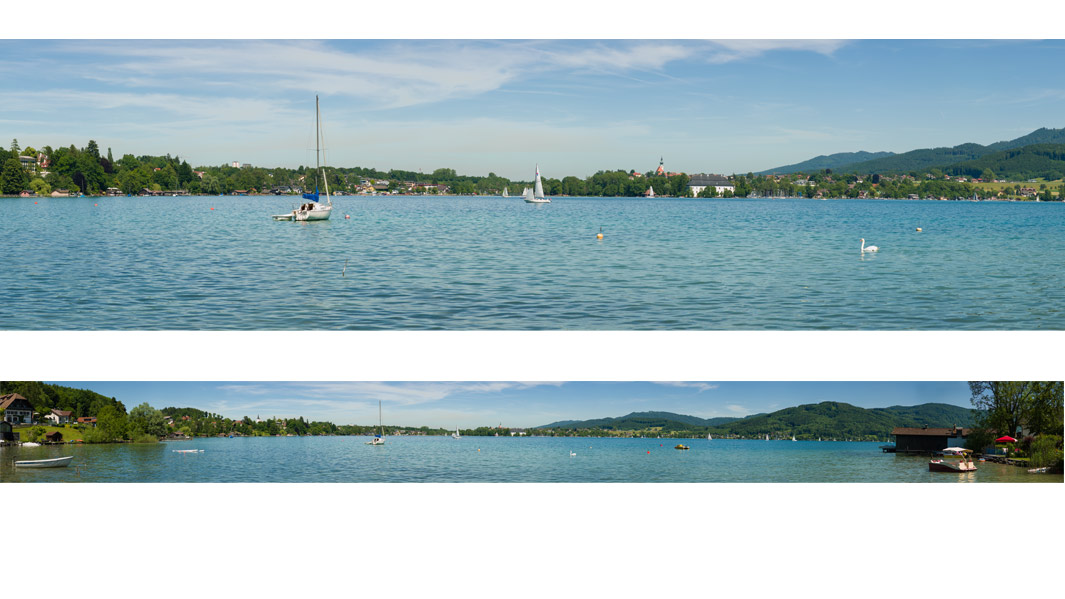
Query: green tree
<point x="14" y="147"/>
<point x="40" y="187"/>
<point x="13" y="179"/>
<point x="111" y="424"/>
<point x="1007" y="406"/>
<point x="146" y="420"/>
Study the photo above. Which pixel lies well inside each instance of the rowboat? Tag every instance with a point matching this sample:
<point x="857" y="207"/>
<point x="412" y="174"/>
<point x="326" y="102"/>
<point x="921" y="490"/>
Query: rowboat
<point x="52" y="463"/>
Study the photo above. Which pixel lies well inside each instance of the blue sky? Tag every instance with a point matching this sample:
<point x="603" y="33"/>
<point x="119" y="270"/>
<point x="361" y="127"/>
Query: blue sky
<point x="574" y="107"/>
<point x="520" y="404"/>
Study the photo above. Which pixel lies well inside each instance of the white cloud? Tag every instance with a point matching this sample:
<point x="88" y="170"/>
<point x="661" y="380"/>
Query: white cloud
<point x="690" y="385"/>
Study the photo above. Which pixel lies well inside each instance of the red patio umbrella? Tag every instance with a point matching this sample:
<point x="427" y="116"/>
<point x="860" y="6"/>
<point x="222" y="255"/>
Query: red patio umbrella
<point x="1006" y="439"/>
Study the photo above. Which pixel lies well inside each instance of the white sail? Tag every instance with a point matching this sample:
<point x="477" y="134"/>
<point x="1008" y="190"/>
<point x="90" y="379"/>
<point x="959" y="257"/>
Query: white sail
<point x="650" y="191"/>
<point x="506" y="194"/>
<point x="528" y="194"/>
<point x="539" y="193"/>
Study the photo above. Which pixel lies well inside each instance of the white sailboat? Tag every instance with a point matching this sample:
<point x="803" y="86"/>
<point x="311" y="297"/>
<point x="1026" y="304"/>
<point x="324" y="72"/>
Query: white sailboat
<point x="314" y="209"/>
<point x="650" y="191"/>
<point x="506" y="194"/>
<point x="536" y="195"/>
<point x="767" y="437"/>
<point x="456" y="435"/>
<point x="709" y="438"/>
<point x="793" y="437"/>
<point x="378" y="439"/>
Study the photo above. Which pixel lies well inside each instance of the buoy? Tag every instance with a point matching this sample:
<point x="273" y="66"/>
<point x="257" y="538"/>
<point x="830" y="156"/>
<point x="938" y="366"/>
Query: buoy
<point x="600" y="234"/>
<point x="347" y="216"/>
<point x="648" y="451"/>
<point x="212" y="207"/>
<point x="35" y="202"/>
<point x="918" y="229"/>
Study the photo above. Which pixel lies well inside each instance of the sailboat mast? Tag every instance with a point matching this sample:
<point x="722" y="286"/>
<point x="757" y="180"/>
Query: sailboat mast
<point x="317" y="151"/>
<point x="317" y="137"/>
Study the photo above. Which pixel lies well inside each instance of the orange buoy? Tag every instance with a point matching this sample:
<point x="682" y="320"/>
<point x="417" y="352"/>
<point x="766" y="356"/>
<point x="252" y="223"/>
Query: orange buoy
<point x="212" y="207"/>
<point x="95" y="204"/>
<point x="347" y="216"/>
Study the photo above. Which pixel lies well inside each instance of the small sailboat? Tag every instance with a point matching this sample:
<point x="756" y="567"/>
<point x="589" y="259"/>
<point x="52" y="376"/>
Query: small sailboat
<point x="314" y="209"/>
<point x="378" y="439"/>
<point x="793" y="437"/>
<point x="709" y="438"/>
<point x="536" y="195"/>
<point x="506" y="194"/>
<point x="767" y="437"/>
<point x="456" y="435"/>
<point x="650" y="191"/>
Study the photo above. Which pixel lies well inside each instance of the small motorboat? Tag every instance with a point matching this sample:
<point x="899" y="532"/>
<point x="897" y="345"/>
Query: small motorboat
<point x="682" y="447"/>
<point x="52" y="463"/>
<point x="964" y="463"/>
<point x="187" y="450"/>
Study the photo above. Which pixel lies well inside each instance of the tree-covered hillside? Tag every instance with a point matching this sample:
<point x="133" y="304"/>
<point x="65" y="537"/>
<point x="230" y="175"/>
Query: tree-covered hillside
<point x="45" y="397"/>
<point x="809" y="421"/>
<point x="832" y="161"/>
<point x="1046" y="161"/>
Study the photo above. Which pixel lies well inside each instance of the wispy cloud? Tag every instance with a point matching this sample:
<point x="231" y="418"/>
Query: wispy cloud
<point x="690" y="385"/>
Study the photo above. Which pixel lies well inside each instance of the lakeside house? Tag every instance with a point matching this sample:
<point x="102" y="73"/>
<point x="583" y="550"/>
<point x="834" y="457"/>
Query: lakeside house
<point x="17" y="409"/>
<point x="59" y="417"/>
<point x="700" y="182"/>
<point x="928" y="440"/>
<point x="89" y="420"/>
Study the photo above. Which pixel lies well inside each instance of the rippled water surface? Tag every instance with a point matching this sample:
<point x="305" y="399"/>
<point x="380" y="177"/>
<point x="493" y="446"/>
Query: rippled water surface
<point x="491" y="459"/>
<point x="481" y="263"/>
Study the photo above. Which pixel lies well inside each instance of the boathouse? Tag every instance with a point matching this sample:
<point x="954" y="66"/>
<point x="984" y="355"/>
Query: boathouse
<point x="928" y="440"/>
<point x="54" y="437"/>
<point x="7" y="434"/>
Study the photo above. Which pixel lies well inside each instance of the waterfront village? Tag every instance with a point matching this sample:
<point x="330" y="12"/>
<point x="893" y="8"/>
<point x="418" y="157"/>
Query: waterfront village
<point x="73" y="172"/>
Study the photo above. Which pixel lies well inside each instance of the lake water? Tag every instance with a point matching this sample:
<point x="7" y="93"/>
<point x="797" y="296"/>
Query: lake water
<point x="491" y="459"/>
<point x="463" y="263"/>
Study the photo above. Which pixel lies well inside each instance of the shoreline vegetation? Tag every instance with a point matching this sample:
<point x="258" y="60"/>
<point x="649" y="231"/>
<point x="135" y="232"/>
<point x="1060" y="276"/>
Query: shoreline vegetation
<point x="71" y="171"/>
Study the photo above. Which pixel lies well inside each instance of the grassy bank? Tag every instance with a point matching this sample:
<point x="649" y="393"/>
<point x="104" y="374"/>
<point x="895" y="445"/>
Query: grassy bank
<point x="69" y="433"/>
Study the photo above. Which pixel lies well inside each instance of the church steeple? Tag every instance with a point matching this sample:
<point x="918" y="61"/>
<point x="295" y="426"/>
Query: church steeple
<point x="661" y="166"/>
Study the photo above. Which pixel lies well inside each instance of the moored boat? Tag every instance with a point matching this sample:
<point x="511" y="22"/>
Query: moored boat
<point x="50" y="463"/>
<point x="964" y="463"/>
<point x="679" y="446"/>
<point x="314" y="209"/>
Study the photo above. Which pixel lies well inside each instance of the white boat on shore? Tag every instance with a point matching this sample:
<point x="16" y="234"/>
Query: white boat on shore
<point x="536" y="195"/>
<point x="313" y="209"/>
<point x="51" y="463"/>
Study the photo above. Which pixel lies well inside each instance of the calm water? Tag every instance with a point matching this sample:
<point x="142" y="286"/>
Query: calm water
<point x="482" y="263"/>
<point x="490" y="459"/>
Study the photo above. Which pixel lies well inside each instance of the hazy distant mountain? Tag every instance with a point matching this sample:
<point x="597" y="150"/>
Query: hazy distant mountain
<point x="921" y="159"/>
<point x="642" y="420"/>
<point x="826" y="419"/>
<point x="833" y="161"/>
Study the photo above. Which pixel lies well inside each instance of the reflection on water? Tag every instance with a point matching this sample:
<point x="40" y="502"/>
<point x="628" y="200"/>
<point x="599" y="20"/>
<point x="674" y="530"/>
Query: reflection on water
<point x="491" y="459"/>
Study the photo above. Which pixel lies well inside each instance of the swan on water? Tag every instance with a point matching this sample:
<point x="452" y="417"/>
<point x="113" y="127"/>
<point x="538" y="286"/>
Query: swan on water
<point x="571" y="454"/>
<point x="871" y="248"/>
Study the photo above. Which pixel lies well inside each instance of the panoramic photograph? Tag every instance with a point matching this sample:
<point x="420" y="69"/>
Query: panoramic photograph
<point x="406" y="184"/>
<point x="531" y="432"/>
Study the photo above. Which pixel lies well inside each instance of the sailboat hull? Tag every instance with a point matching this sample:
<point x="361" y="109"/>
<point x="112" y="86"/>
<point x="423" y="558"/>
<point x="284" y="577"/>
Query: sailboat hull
<point x="316" y="213"/>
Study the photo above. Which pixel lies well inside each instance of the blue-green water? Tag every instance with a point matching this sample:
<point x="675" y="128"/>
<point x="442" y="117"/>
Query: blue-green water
<point x="463" y="263"/>
<point x="490" y="459"/>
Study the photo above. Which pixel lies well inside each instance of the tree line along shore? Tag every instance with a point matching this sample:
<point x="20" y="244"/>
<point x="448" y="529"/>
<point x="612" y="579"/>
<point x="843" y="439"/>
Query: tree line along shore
<point x="87" y="171"/>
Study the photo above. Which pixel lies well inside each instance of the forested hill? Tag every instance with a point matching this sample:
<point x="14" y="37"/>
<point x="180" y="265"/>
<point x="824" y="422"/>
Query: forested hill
<point x="920" y="159"/>
<point x="44" y="397"/>
<point x="643" y="420"/>
<point x="833" y="161"/>
<point x="924" y="159"/>
<point x="824" y="420"/>
<point x="1018" y="164"/>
